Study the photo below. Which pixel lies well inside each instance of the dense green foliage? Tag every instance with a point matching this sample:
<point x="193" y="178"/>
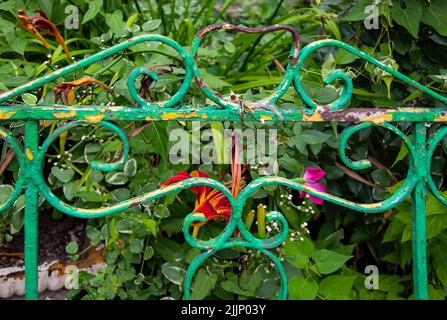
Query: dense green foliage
<point x="146" y="254"/>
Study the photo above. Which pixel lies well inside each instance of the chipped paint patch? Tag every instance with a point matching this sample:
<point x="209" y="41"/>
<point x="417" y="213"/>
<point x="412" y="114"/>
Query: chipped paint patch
<point x="149" y="118"/>
<point x="29" y="154"/>
<point x="3" y="134"/>
<point x="378" y="119"/>
<point x="177" y="115"/>
<point x="441" y="118"/>
<point x="69" y="114"/>
<point x="265" y="117"/>
<point x="316" y="116"/>
<point x="6" y="115"/>
<point x="95" y="118"/>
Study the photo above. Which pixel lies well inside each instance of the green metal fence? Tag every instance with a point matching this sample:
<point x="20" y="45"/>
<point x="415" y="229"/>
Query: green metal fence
<point x="31" y="154"/>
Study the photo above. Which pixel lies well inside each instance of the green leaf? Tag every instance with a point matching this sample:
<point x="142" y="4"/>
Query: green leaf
<point x="130" y="167"/>
<point x="357" y="11"/>
<point x="382" y="177"/>
<point x="116" y="178"/>
<point x="291" y="164"/>
<point x="434" y="16"/>
<point x="336" y="287"/>
<point x="93" y="9"/>
<point x="72" y="247"/>
<point x="63" y="175"/>
<point x="136" y="245"/>
<point x="328" y="261"/>
<point x="402" y="154"/>
<point x="29" y="98"/>
<point x="16" y="40"/>
<point x="151" y="25"/>
<point x="410" y="17"/>
<point x="314" y="137"/>
<point x="325" y="95"/>
<point x="148" y="253"/>
<point x="302" y="289"/>
<point x="93" y="234"/>
<point x="151" y="226"/>
<point x="229" y="47"/>
<point x="203" y="284"/>
<point x="115" y="21"/>
<point x="123" y="226"/>
<point x="5" y="192"/>
<point x="439" y="255"/>
<point x="90" y="196"/>
<point x="213" y="81"/>
<point x="297" y="253"/>
<point x="156" y="134"/>
<point x="173" y="273"/>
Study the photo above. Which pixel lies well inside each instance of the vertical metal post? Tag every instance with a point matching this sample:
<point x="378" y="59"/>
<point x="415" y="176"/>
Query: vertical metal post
<point x="31" y="217"/>
<point x="419" y="196"/>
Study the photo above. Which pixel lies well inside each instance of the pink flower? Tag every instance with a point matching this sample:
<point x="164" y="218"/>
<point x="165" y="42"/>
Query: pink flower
<point x="311" y="176"/>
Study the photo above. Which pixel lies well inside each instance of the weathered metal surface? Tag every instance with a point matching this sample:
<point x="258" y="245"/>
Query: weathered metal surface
<point x="31" y="155"/>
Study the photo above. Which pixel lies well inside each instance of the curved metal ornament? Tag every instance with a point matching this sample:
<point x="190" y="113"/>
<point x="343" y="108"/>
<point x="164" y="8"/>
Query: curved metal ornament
<point x="31" y="156"/>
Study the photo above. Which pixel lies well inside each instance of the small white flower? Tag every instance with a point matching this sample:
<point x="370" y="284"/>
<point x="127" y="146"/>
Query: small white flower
<point x="302" y="239"/>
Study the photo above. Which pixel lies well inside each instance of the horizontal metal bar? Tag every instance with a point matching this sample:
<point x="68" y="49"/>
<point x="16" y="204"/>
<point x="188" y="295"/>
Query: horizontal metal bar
<point x="210" y="113"/>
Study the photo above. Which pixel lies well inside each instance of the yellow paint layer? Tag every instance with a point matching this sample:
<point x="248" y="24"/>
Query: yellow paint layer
<point x="29" y="154"/>
<point x="316" y="116"/>
<point x="177" y="115"/>
<point x="95" y="118"/>
<point x="264" y="117"/>
<point x="69" y="114"/>
<point x="379" y="118"/>
<point x="6" y="115"/>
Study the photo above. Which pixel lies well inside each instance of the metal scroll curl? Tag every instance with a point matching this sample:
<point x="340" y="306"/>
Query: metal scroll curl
<point x="277" y="93"/>
<point x="346" y="92"/>
<point x="174" y="100"/>
<point x="433" y="142"/>
<point x="14" y="144"/>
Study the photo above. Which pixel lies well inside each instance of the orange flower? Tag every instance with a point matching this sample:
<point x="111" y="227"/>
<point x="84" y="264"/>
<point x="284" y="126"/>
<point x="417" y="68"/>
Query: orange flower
<point x="32" y="23"/>
<point x="68" y="89"/>
<point x="212" y="203"/>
